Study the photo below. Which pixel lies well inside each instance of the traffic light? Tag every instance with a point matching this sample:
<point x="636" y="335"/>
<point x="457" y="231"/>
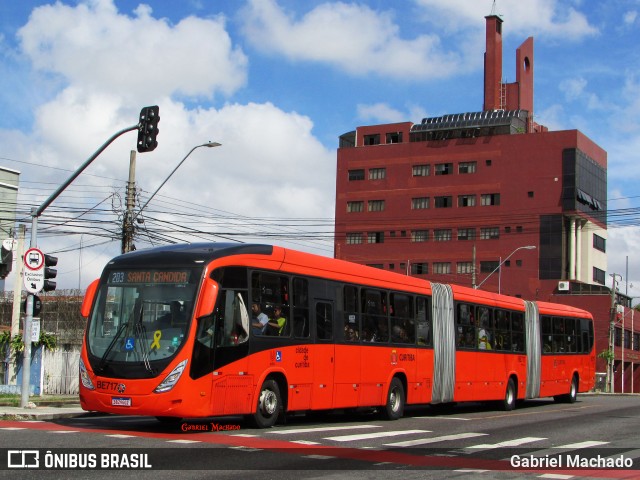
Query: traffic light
<point x="49" y="273"/>
<point x="6" y="258"/>
<point x="148" y="128"/>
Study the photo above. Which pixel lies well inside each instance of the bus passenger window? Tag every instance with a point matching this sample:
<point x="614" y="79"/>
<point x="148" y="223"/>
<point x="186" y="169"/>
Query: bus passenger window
<point x="517" y="332"/>
<point x="485" y="332"/>
<point x="350" y="314"/>
<point x="300" y="322"/>
<point x="423" y="320"/>
<point x="324" y="321"/>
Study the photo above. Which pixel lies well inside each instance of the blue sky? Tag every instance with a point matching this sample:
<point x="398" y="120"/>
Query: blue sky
<point x="276" y="82"/>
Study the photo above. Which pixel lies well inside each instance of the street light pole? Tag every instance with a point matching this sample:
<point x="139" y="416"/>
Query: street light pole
<point x="208" y="145"/>
<point x="527" y="247"/>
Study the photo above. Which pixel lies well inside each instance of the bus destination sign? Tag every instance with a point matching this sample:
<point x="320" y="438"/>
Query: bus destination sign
<point x="163" y="277"/>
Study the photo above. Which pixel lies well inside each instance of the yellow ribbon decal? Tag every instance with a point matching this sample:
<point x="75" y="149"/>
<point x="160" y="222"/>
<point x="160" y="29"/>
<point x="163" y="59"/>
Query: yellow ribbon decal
<point x="156" y="339"/>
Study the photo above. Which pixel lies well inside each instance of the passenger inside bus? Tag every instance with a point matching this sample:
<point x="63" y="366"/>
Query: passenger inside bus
<point x="176" y="318"/>
<point x="259" y="321"/>
<point x="278" y="322"/>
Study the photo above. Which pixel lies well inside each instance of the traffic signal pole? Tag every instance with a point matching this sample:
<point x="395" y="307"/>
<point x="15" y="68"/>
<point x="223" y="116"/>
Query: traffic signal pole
<point x="35" y="213"/>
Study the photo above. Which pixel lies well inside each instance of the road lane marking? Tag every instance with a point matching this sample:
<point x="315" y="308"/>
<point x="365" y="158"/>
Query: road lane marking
<point x="368" y="436"/>
<point x="443" y="438"/>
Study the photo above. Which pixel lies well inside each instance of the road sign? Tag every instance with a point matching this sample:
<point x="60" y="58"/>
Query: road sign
<point x="33" y="277"/>
<point x="34" y="259"/>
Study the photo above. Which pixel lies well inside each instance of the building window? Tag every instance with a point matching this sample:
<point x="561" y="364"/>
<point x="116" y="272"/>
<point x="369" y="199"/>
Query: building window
<point x="466" y="200"/>
<point x="463" y="268"/>
<point x="420" y="235"/>
<point x="375" y="237"/>
<point x="530" y="194"/>
<point x="444" y="168"/>
<point x="392" y="266"/>
<point x="443" y="202"/>
<point x="375" y="265"/>
<point x="488" y="266"/>
<point x="598" y="276"/>
<point x="599" y="243"/>
<point x="419" y="268"/>
<point x="490" y="199"/>
<point x="442" y="267"/>
<point x="420" y="170"/>
<point x="467" y="167"/>
<point x="354" y="237"/>
<point x="356" y="175"/>
<point x="355" y="207"/>
<point x="442" y="235"/>
<point x="519" y="263"/>
<point x="419" y="203"/>
<point x="519" y="228"/>
<point x="466" y="234"/>
<point x="394" y="137"/>
<point x="377" y="173"/>
<point x="372" y="139"/>
<point x="375" y="205"/>
<point x="489" y="233"/>
<point x="636" y="341"/>
<point x="487" y="163"/>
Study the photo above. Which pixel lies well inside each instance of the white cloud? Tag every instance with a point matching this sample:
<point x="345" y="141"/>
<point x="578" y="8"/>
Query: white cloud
<point x="629" y="18"/>
<point x="552" y="18"/>
<point x="352" y="37"/>
<point x="141" y="57"/>
<point x="573" y="88"/>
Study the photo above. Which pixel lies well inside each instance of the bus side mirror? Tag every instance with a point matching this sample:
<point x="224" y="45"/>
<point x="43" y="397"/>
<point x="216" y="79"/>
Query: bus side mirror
<point x="89" y="296"/>
<point x="207" y="298"/>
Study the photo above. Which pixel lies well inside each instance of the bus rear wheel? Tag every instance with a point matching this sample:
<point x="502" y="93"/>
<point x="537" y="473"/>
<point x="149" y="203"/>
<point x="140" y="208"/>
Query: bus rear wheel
<point x="572" y="395"/>
<point x="510" y="396"/>
<point x="269" y="405"/>
<point x="394" y="409"/>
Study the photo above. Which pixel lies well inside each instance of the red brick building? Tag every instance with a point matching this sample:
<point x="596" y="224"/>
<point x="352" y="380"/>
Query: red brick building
<point x="488" y="199"/>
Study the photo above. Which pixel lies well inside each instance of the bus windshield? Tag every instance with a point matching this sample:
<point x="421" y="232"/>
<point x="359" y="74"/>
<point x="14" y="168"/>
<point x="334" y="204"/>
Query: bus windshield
<point x="141" y="316"/>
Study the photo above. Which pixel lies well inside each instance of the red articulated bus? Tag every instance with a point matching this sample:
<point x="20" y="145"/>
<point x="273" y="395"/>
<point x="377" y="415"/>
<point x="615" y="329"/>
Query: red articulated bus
<point x="203" y="330"/>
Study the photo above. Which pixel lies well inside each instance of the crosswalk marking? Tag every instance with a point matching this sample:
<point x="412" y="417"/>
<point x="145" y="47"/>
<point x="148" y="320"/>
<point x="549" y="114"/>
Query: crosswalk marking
<point x="305" y="442"/>
<point x="321" y="429"/>
<point x="556" y="476"/>
<point x="183" y="440"/>
<point x="119" y="435"/>
<point x="443" y="438"/>
<point x="585" y="444"/>
<point x="368" y="436"/>
<point x="13" y="428"/>
<point x="63" y="431"/>
<point x="509" y="443"/>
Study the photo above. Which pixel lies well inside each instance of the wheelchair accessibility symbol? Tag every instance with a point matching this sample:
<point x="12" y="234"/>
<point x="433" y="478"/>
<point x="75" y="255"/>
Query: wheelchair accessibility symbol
<point x="278" y="356"/>
<point x="129" y="343"/>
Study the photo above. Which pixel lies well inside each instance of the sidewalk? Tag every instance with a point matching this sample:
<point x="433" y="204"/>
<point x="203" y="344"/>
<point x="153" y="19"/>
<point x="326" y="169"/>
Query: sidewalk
<point x="43" y="410"/>
<point x="40" y="413"/>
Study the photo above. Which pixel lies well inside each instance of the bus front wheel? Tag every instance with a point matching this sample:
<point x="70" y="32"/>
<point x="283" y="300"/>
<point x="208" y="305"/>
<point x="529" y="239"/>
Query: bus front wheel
<point x="394" y="409"/>
<point x="269" y="405"/>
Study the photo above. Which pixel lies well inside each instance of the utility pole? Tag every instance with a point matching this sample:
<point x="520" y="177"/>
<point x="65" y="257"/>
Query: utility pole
<point x="612" y="321"/>
<point x="17" y="298"/>
<point x="127" y="221"/>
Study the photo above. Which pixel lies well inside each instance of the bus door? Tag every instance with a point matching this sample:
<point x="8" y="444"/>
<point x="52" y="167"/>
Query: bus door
<point x="221" y="350"/>
<point x="348" y="349"/>
<point x="324" y="357"/>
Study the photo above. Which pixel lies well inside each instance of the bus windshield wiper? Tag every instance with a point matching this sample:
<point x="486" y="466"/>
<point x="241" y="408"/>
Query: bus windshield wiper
<point x="103" y="360"/>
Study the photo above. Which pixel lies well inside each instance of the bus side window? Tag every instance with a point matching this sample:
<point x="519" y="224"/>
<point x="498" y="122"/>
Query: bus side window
<point x="546" y="334"/>
<point x="484" y="328"/>
<point x="423" y="321"/>
<point x="517" y="332"/>
<point x="300" y="308"/>
<point x="324" y="321"/>
<point x="402" y="324"/>
<point x="350" y="315"/>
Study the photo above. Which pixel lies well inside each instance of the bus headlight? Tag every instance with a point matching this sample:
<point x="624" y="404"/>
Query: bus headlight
<point x="84" y="377"/>
<point x="170" y="380"/>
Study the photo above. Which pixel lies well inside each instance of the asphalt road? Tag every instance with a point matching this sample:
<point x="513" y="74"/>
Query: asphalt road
<point x="466" y="441"/>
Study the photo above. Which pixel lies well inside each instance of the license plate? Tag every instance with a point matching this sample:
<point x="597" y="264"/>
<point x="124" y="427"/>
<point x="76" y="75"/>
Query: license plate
<point x="120" y="401"/>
